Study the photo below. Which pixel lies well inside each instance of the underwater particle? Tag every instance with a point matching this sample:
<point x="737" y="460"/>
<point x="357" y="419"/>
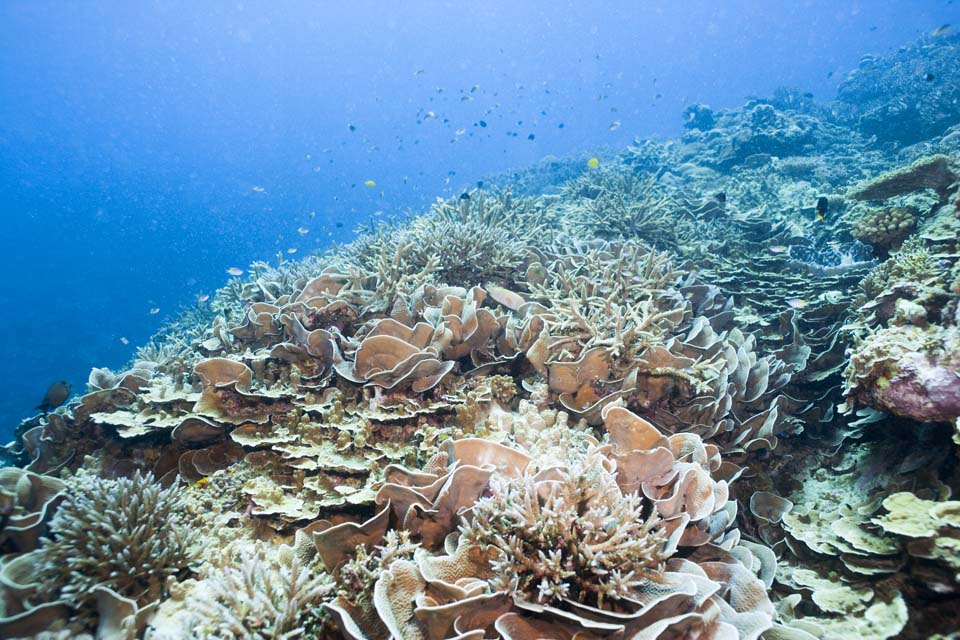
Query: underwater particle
<point x="929" y="77"/>
<point x="258" y="189"/>
<point x="369" y="183"/>
<point x="593" y="163"/>
<point x="123" y="340"/>
<point x="777" y="248"/>
<point x="303" y="231"/>
<point x="821" y="208"/>
<point x="614" y="125"/>
<point x="235" y="271"/>
<point x="154" y="311"/>
<point x="797" y="303"/>
<point x="531" y="137"/>
<point x="57" y="393"/>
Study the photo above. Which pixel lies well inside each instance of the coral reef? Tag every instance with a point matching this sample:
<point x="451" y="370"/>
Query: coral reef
<point x="908" y="97"/>
<point x="707" y="388"/>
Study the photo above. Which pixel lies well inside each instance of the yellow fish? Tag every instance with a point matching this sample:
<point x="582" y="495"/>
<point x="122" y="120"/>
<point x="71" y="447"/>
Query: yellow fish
<point x="369" y="183"/>
<point x="593" y="163"/>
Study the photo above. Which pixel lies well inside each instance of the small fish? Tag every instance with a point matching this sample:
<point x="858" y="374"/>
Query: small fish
<point x="929" y="77"/>
<point x="614" y="125"/>
<point x="154" y="311"/>
<point x="235" y="271"/>
<point x="483" y="124"/>
<point x="941" y="30"/>
<point x="777" y="248"/>
<point x="531" y="137"/>
<point x="303" y="231"/>
<point x="465" y="196"/>
<point x="203" y="298"/>
<point x="339" y="225"/>
<point x="560" y="126"/>
<point x="57" y="394"/>
<point x="720" y="197"/>
<point x="797" y="303"/>
<point x="593" y="163"/>
<point x="459" y="132"/>
<point x="821" y="208"/>
<point x="352" y="127"/>
<point x="124" y="340"/>
<point x="292" y="250"/>
<point x="313" y="214"/>
<point x="258" y="189"/>
<point x="369" y="183"/>
<point x="829" y="74"/>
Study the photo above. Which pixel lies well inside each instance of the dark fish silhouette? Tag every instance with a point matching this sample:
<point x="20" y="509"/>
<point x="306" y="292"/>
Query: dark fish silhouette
<point x="720" y="197"/>
<point x="56" y="395"/>
<point x="821" y="208"/>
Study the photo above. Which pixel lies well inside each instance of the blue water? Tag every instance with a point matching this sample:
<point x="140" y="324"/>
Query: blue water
<point x="146" y="147"/>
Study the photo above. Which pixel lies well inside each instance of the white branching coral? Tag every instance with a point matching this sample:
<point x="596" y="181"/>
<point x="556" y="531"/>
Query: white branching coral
<point x="125" y="534"/>
<point x="568" y="533"/>
<point x="258" y="598"/>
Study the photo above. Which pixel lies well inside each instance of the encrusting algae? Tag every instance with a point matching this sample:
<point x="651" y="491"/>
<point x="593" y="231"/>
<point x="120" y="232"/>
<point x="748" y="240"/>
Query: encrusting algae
<point x="626" y="409"/>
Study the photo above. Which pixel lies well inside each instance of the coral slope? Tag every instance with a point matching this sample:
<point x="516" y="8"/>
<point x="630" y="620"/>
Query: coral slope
<point x="708" y="389"/>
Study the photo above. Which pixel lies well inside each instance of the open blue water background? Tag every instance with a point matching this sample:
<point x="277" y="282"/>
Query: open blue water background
<point x="146" y="147"/>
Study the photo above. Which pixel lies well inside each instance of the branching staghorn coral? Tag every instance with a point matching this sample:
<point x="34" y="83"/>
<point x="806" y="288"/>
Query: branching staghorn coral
<point x="607" y="297"/>
<point x="464" y="241"/>
<point x="261" y="599"/>
<point x="125" y="534"/>
<point x="573" y="536"/>
<point x="913" y="263"/>
<point x="614" y="202"/>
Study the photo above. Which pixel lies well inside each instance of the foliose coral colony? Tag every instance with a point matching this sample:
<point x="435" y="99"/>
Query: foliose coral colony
<point x="629" y="409"/>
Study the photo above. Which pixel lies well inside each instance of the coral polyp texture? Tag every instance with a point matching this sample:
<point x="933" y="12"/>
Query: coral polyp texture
<point x="708" y="387"/>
